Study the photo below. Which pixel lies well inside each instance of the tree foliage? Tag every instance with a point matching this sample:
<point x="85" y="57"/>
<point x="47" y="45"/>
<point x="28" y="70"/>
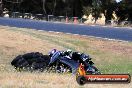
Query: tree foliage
<point x="77" y="8"/>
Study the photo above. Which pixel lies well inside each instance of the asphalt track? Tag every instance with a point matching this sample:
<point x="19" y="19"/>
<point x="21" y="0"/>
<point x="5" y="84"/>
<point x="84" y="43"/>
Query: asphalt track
<point x="124" y="34"/>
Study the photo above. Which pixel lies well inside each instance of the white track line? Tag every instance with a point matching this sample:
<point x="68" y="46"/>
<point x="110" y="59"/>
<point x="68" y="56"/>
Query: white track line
<point x="69" y="33"/>
<point x="51" y="31"/>
<point x="84" y="35"/>
<point x="88" y="36"/>
<point x="108" y="39"/>
<point x="40" y="30"/>
<point x="75" y="34"/>
<point x="58" y="32"/>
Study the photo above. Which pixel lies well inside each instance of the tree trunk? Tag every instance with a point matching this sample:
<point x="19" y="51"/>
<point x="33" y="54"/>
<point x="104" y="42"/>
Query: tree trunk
<point x="45" y="12"/>
<point x="1" y="9"/>
<point x="54" y="7"/>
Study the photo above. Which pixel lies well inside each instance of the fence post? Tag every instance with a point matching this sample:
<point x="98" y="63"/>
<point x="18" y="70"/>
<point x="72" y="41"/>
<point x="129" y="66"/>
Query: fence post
<point x="49" y="17"/>
<point x="66" y="19"/>
<point x="75" y="20"/>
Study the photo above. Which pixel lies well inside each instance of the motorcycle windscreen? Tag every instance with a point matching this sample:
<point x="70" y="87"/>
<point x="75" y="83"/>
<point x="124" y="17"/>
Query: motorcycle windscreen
<point x="54" y="57"/>
<point x="73" y="64"/>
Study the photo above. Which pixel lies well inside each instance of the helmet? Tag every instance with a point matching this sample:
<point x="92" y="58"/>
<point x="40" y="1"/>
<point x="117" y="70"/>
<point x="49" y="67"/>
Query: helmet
<point x="52" y="52"/>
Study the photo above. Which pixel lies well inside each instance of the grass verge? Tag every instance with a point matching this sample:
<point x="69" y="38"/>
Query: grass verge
<point x="109" y="56"/>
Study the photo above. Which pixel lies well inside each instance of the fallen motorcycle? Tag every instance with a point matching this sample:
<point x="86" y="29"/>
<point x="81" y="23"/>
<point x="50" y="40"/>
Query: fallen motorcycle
<point x="60" y="63"/>
<point x="65" y="64"/>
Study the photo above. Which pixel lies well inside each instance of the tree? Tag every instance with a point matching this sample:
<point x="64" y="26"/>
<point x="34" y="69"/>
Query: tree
<point x="77" y="8"/>
<point x="124" y="10"/>
<point x="14" y="4"/>
<point x="44" y="9"/>
<point x="1" y="9"/>
<point x="96" y="8"/>
<point x="108" y="6"/>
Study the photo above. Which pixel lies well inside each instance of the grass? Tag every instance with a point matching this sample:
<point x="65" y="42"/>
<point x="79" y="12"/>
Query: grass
<point x="109" y="56"/>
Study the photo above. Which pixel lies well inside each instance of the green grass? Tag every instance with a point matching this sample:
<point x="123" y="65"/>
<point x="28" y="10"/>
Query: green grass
<point x="110" y="57"/>
<point x="109" y="62"/>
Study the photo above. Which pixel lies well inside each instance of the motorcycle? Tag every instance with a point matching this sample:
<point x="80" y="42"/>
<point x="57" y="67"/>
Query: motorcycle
<point x="59" y="62"/>
<point x="63" y="64"/>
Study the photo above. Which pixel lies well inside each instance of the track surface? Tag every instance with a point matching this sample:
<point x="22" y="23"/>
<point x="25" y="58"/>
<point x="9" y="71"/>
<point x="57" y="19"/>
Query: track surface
<point x="124" y="34"/>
